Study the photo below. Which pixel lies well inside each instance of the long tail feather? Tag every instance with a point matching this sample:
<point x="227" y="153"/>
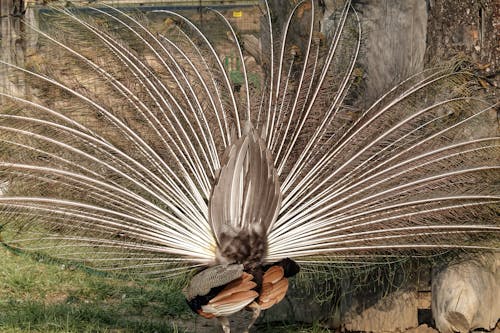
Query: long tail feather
<point x="116" y="156"/>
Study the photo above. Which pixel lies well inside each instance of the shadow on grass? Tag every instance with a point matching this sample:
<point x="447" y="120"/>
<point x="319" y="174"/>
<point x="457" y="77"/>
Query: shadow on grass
<point x="38" y="316"/>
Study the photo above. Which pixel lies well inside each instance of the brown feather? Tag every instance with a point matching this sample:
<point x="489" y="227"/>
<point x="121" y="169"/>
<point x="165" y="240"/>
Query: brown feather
<point x="245" y="201"/>
<point x="273" y="274"/>
<point x="234" y="288"/>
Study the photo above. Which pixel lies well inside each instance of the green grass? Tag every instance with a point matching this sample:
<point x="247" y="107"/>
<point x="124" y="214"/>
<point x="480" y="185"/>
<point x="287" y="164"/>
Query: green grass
<point x="39" y="295"/>
<point x="48" y="297"/>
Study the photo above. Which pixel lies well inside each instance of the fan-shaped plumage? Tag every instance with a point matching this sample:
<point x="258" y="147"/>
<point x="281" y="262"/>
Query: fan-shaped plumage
<point x="135" y="152"/>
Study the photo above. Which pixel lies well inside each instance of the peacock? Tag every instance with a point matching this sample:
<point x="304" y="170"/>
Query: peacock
<point x="134" y="150"/>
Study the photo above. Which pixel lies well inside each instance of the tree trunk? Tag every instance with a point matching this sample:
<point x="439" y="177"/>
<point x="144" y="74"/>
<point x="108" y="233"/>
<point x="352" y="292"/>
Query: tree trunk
<point x="12" y="45"/>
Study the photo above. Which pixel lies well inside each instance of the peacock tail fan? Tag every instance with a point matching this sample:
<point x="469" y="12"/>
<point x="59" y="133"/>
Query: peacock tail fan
<point x="113" y="152"/>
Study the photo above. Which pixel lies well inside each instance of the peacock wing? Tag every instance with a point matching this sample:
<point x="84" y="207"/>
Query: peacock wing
<point x="233" y="298"/>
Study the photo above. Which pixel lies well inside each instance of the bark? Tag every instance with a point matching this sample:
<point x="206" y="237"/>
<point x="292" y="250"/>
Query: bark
<point x="395" y="36"/>
<point x="12" y="44"/>
<point x="252" y="45"/>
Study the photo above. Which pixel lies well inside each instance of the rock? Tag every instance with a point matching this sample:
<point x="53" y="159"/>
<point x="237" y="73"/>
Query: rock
<point x="422" y="329"/>
<point x="465" y="295"/>
<point x="393" y="313"/>
<point x="424" y="299"/>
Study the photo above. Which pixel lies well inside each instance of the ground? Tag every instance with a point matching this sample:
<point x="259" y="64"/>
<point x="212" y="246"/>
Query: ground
<point x="48" y="297"/>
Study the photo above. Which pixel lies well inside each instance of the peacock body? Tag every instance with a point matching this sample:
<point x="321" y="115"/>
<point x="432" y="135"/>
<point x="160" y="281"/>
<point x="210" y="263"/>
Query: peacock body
<point x="137" y="152"/>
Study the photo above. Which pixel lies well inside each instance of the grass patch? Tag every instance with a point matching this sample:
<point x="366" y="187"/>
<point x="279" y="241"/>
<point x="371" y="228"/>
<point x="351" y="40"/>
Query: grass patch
<point x="36" y="296"/>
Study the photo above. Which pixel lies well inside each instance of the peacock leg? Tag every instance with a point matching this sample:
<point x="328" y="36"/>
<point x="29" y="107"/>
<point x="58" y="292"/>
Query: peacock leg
<point x="256" y="313"/>
<point x="224" y="322"/>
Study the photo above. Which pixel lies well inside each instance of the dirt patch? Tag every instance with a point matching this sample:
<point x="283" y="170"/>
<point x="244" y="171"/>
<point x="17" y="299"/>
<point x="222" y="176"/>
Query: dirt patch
<point x="466" y="28"/>
<point x="56" y="298"/>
